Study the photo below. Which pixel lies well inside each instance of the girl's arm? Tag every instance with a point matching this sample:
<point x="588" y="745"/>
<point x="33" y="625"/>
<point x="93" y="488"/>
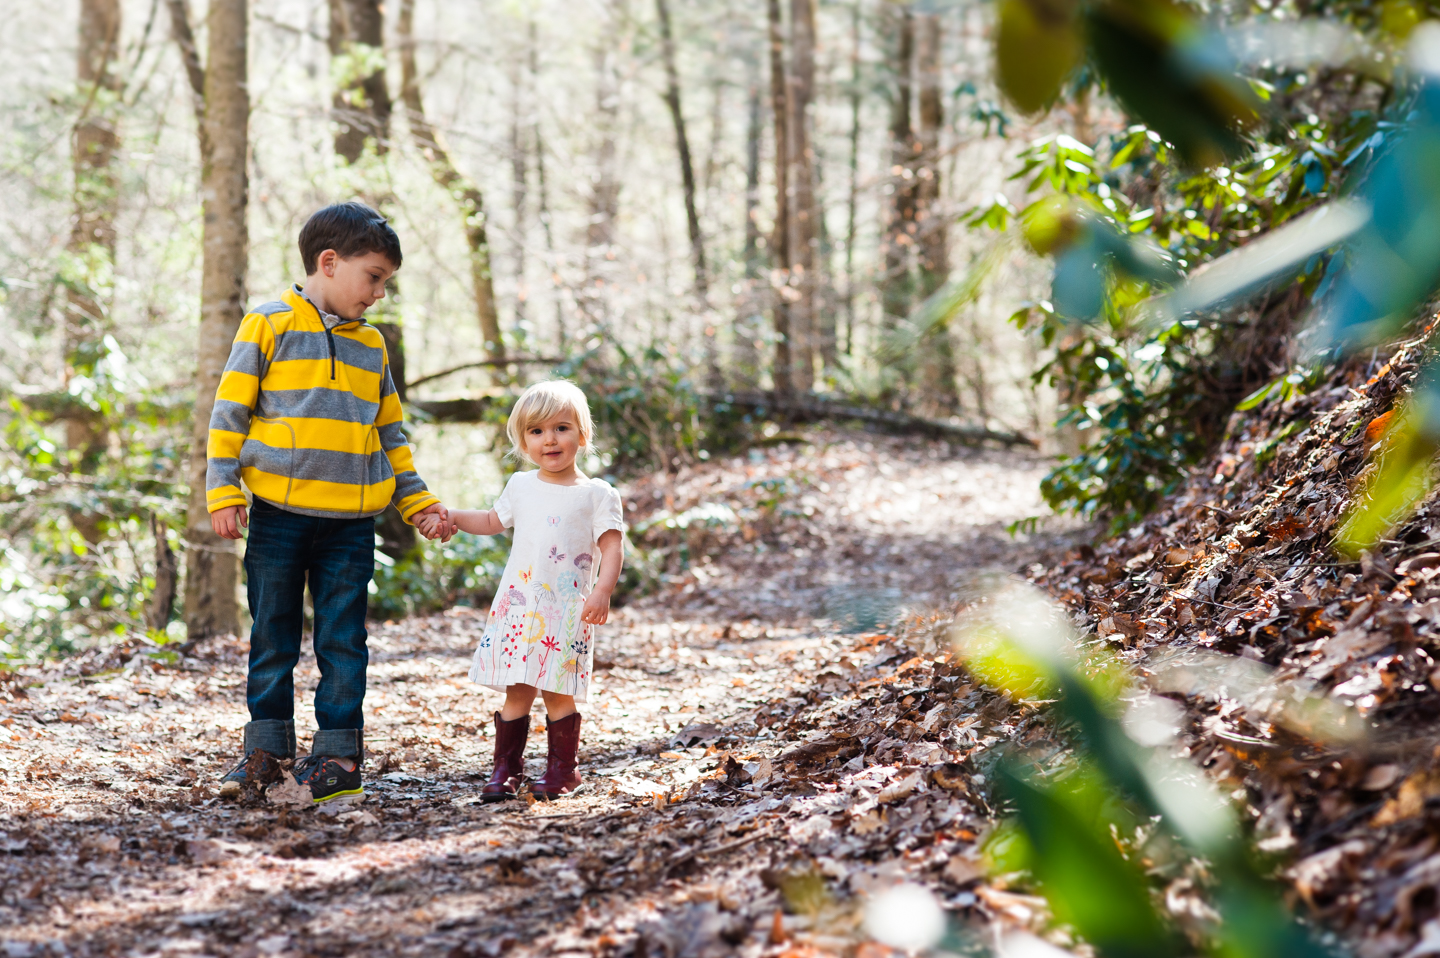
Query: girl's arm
<point x="476" y="522"/>
<point x="597" y="604"/>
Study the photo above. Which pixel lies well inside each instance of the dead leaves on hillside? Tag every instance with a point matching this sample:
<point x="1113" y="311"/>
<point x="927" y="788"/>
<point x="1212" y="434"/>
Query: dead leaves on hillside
<point x="1322" y="721"/>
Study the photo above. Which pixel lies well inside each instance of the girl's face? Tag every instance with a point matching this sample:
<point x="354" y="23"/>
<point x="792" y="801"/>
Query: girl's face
<point x="554" y="444"/>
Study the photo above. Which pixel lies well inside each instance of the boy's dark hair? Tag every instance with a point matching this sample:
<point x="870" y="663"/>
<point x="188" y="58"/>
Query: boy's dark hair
<point x="350" y="229"/>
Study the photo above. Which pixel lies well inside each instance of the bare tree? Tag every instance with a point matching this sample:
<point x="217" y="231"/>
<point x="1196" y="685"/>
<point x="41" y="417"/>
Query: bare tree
<point x="781" y="373"/>
<point x="604" y="198"/>
<point x="746" y="358"/>
<point x="466" y="194"/>
<point x="519" y="174"/>
<point x="211" y="566"/>
<point x="896" y="283"/>
<point x="801" y="156"/>
<point x="543" y="199"/>
<point x="687" y="179"/>
<point x="91" y="247"/>
<point x="937" y="354"/>
<point x="852" y="199"/>
<point x="362" y="105"/>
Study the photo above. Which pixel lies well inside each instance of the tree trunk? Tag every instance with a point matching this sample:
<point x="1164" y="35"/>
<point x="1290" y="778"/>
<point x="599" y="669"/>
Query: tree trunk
<point x="780" y="243"/>
<point x="160" y="608"/>
<point x="211" y="562"/>
<point x="937" y="354"/>
<point x="687" y="179"/>
<point x="604" y="201"/>
<point x="519" y="174"/>
<point x="552" y="261"/>
<point x="466" y="194"/>
<point x="746" y="360"/>
<point x="91" y="247"/>
<point x="899" y="232"/>
<point x="801" y="155"/>
<point x="852" y="201"/>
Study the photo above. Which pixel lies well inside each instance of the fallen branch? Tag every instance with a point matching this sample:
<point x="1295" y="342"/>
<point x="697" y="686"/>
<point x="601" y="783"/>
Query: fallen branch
<point x="533" y="360"/>
<point x="454" y="410"/>
<point x="819" y="409"/>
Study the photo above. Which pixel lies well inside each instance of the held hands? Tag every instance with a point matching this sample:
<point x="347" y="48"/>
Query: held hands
<point x="597" y="607"/>
<point x="228" y="522"/>
<point x="433" y="522"/>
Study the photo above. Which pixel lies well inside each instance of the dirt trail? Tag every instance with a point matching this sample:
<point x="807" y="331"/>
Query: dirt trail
<point x="747" y="749"/>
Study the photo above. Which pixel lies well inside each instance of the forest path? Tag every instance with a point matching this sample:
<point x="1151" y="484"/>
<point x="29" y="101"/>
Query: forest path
<point x="747" y="749"/>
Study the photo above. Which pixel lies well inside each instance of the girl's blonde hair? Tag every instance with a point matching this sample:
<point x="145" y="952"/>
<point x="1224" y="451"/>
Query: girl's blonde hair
<point x="544" y="401"/>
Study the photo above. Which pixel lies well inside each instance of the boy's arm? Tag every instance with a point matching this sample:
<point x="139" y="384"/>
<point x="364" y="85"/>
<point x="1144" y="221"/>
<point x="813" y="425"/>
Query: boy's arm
<point x="411" y="495"/>
<point x="235" y="400"/>
<point x="612" y="557"/>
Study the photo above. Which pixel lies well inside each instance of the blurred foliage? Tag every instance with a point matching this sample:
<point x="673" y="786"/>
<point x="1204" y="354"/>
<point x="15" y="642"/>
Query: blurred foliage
<point x="1109" y="827"/>
<point x="1239" y="127"/>
<point x="57" y="590"/>
<point x="437" y="575"/>
<point x="650" y="409"/>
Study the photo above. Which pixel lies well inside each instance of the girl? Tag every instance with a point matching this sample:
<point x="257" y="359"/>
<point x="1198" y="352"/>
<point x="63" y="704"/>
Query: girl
<point x="563" y="565"/>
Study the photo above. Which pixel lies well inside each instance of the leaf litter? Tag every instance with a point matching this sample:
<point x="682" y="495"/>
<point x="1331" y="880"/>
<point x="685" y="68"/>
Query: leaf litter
<point x="776" y="734"/>
<point x="1308" y="684"/>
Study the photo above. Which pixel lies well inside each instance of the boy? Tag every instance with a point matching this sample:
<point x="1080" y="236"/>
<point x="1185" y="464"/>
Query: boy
<point x="306" y="414"/>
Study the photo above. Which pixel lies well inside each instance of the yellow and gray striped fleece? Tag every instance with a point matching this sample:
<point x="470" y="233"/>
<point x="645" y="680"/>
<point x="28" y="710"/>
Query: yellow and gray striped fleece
<point x="306" y="414"/>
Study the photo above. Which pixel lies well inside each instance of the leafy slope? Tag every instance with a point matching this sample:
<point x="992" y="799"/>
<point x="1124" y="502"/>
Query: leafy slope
<point x="1309" y="682"/>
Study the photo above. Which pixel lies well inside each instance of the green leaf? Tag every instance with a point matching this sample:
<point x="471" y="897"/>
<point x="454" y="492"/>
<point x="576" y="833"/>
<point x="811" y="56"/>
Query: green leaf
<point x="1088" y="884"/>
<point x="1037" y="45"/>
<point x="1257" y="397"/>
<point x="1404" y="476"/>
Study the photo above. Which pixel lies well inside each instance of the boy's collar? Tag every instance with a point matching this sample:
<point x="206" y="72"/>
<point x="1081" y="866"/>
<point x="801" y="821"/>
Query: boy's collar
<point x="328" y="320"/>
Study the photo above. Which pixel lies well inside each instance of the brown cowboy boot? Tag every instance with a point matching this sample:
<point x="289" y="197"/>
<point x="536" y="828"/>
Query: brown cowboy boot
<point x="509" y="759"/>
<point x="560" y="776"/>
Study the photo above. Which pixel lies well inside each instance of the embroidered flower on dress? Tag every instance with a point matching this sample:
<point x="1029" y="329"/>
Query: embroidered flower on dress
<point x="583" y="561"/>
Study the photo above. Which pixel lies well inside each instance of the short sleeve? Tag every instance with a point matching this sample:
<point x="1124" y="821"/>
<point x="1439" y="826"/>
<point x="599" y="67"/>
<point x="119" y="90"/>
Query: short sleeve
<point x="504" y="508"/>
<point x="609" y="513"/>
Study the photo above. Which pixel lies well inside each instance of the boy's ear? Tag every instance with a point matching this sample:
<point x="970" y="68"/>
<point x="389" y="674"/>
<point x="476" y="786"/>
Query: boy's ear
<point x="325" y="263"/>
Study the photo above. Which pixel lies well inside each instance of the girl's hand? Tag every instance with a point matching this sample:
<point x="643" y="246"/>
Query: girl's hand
<point x="597" y="607"/>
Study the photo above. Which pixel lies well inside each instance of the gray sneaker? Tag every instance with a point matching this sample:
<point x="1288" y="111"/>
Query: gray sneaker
<point x="254" y="772"/>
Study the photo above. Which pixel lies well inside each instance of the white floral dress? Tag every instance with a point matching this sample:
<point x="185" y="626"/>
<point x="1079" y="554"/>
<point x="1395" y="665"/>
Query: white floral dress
<point x="534" y="635"/>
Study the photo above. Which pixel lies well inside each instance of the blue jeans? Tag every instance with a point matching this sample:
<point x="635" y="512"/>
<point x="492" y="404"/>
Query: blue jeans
<point x="337" y="557"/>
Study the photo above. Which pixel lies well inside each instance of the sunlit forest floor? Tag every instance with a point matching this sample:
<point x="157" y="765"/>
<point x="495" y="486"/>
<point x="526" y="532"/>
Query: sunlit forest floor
<point x="774" y="732"/>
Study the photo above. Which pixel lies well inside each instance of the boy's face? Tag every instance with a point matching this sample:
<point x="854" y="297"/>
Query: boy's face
<point x="352" y="284"/>
<point x="554" y="443"/>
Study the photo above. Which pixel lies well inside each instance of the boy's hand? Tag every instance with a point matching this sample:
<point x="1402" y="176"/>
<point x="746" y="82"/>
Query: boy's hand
<point x="228" y="522"/>
<point x="434" y="522"/>
<point x="597" y="608"/>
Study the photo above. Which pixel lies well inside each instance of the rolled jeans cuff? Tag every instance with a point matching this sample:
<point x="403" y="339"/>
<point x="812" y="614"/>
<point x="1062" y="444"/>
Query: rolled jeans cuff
<point x="339" y="743"/>
<point x="276" y="736"/>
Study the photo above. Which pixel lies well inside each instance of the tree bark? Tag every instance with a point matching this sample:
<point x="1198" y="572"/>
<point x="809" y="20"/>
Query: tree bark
<point x="803" y="318"/>
<point x="899" y="233"/>
<point x="852" y="200"/>
<point x="361" y="105"/>
<point x="519" y="174"/>
<point x="780" y="242"/>
<point x="937" y="353"/>
<point x="160" y="608"/>
<point x="746" y="360"/>
<point x="91" y="247"/>
<point x="604" y="200"/>
<point x="466" y="194"/>
<point x="687" y="179"/>
<point x="211" y="562"/>
<point x="543" y="199"/>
